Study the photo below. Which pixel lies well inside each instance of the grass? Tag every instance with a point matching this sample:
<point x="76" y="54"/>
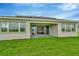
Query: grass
<point x="50" y="46"/>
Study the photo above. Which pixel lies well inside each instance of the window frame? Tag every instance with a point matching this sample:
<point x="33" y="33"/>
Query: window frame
<point x="8" y="27"/>
<point x="71" y="27"/>
<point x="13" y="30"/>
<point x="20" y="24"/>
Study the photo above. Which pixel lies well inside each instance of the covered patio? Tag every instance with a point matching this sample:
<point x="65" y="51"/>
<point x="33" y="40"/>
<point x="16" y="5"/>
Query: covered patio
<point x="43" y="29"/>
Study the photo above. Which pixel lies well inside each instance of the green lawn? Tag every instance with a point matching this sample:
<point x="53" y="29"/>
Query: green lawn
<point x="50" y="46"/>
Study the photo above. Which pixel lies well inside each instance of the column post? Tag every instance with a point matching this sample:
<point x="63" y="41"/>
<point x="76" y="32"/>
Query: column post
<point x="28" y="29"/>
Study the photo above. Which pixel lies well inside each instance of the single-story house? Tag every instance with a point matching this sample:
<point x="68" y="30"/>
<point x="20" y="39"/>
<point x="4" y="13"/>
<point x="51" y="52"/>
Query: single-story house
<point x="20" y="27"/>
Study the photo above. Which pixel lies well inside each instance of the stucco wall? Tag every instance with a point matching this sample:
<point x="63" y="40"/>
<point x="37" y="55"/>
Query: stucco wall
<point x="27" y="34"/>
<point x="28" y="29"/>
<point x="16" y="35"/>
<point x="67" y="34"/>
<point x="53" y="30"/>
<point x="10" y="36"/>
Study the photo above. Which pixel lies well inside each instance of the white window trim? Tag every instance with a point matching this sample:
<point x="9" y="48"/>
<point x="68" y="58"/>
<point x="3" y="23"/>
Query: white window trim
<point x="7" y="26"/>
<point x="65" y="27"/>
<point x="71" y="26"/>
<point x="19" y="27"/>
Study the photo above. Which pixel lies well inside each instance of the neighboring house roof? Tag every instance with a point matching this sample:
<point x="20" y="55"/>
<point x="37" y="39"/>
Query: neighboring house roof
<point x="34" y="18"/>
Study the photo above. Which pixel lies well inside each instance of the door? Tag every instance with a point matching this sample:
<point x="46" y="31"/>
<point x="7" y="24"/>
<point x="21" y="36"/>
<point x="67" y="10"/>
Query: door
<point x="34" y="30"/>
<point x="43" y="30"/>
<point x="40" y="30"/>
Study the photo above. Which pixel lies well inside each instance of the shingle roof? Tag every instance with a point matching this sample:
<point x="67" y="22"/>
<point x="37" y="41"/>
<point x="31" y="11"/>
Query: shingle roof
<point x="36" y="17"/>
<point x="40" y="17"/>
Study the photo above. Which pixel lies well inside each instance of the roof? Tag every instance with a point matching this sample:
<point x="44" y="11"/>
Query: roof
<point x="25" y="17"/>
<point x="34" y="18"/>
<point x="40" y="17"/>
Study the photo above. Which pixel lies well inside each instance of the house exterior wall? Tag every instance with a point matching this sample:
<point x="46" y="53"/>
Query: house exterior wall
<point x="53" y="30"/>
<point x="16" y="35"/>
<point x="67" y="34"/>
<point x="43" y="22"/>
<point x="28" y="29"/>
<point x="23" y="35"/>
<point x="10" y="36"/>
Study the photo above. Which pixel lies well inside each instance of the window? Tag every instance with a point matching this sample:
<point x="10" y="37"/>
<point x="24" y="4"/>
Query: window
<point x="73" y="27"/>
<point x="42" y="29"/>
<point x="3" y="26"/>
<point x="13" y="27"/>
<point x="34" y="29"/>
<point x="68" y="27"/>
<point x="22" y="27"/>
<point x="63" y="27"/>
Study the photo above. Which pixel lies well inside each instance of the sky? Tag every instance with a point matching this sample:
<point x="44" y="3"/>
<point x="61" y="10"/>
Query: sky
<point x="68" y="11"/>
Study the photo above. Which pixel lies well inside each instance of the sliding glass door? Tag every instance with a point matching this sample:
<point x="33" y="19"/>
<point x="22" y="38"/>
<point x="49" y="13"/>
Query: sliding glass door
<point x="43" y="30"/>
<point x="34" y="30"/>
<point x="40" y="30"/>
